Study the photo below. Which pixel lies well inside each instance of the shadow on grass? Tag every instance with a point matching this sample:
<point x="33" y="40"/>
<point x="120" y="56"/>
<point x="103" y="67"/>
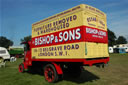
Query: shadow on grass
<point x="86" y="76"/>
<point x="35" y="72"/>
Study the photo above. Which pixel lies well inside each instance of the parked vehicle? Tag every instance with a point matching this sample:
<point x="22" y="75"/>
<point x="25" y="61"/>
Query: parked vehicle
<point x="16" y="51"/>
<point x="126" y="49"/>
<point x="66" y="42"/>
<point x="119" y="50"/>
<point x="4" y="55"/>
<point x="121" y="47"/>
<point x="111" y="50"/>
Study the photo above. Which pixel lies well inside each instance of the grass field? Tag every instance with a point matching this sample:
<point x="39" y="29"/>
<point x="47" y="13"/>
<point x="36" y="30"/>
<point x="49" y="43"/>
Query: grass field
<point x="116" y="73"/>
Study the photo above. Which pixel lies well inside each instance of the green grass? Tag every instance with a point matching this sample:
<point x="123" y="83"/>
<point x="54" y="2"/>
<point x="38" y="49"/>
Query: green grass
<point x="116" y="73"/>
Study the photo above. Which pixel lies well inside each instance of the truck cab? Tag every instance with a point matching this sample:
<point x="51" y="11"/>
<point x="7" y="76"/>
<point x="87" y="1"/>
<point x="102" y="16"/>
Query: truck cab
<point x="27" y="57"/>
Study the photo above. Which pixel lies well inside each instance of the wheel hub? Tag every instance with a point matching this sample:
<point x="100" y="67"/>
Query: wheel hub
<point x="50" y="74"/>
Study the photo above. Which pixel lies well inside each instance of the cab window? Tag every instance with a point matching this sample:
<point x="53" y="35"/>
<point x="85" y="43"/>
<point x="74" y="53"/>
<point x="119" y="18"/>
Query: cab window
<point x="26" y="47"/>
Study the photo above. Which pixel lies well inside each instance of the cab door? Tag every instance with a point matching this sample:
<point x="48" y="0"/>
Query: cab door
<point x="27" y="54"/>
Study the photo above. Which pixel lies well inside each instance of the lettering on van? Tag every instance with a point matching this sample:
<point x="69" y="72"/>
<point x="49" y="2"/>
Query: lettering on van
<point x="59" y="24"/>
<point x="94" y="10"/>
<point x="101" y="24"/>
<point x="60" y="50"/>
<point x="58" y="15"/>
<point x="96" y="33"/>
<point x="90" y="21"/>
<point x="58" y="37"/>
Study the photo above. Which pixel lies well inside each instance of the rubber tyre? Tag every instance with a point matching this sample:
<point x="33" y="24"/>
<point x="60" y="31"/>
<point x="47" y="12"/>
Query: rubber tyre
<point x="50" y="73"/>
<point x="21" y="68"/>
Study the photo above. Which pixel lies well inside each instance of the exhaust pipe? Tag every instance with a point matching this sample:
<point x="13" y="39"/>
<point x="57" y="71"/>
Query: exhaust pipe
<point x="101" y="65"/>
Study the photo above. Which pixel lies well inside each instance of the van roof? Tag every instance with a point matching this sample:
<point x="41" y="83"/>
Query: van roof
<point x="3" y="48"/>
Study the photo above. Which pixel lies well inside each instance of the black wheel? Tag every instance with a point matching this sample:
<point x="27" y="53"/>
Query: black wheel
<point x="21" y="68"/>
<point x="50" y="73"/>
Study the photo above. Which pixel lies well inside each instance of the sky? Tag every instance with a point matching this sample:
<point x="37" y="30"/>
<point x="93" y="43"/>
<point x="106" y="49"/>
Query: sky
<point x="17" y="16"/>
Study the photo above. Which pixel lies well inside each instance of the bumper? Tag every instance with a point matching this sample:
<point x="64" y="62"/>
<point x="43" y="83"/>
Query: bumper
<point x="96" y="61"/>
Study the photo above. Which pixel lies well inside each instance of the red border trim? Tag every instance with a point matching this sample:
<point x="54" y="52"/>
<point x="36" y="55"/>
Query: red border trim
<point x="84" y="61"/>
<point x="59" y="60"/>
<point x="85" y="37"/>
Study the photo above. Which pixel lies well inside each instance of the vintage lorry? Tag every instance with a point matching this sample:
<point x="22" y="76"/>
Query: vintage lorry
<point x="67" y="41"/>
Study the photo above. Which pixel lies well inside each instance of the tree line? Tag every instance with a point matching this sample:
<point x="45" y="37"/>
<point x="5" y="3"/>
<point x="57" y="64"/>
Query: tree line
<point x="112" y="40"/>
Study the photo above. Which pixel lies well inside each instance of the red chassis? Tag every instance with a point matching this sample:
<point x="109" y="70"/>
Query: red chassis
<point x="54" y="68"/>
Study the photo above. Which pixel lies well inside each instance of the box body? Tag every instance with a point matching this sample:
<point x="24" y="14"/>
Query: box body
<point x="77" y="33"/>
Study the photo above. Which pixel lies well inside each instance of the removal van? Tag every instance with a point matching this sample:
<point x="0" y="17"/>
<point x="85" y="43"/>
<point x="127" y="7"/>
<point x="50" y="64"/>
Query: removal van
<point x="67" y="41"/>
